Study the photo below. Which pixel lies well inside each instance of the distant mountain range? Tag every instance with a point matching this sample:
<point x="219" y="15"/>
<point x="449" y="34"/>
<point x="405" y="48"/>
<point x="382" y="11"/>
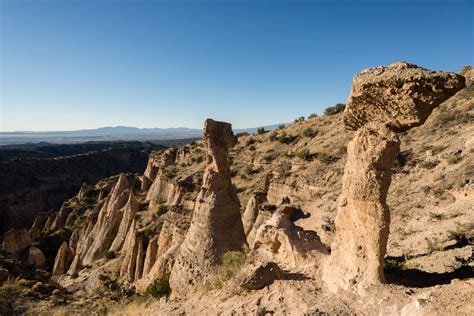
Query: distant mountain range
<point x="124" y="133"/>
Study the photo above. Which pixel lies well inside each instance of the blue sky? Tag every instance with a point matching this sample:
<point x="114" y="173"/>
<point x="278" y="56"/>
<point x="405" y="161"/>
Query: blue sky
<point x="69" y="65"/>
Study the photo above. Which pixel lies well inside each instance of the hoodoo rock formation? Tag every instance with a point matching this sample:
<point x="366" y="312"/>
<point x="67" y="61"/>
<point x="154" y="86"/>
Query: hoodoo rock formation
<point x="383" y="101"/>
<point x="216" y="226"/>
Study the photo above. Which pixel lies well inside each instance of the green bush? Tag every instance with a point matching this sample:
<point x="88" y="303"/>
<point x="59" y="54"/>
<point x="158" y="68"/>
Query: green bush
<point x="312" y="115"/>
<point x="299" y="119"/>
<point x="261" y="131"/>
<point x="285" y="138"/>
<point x="232" y="261"/>
<point x="160" y="287"/>
<point x="392" y="264"/>
<point x="109" y="255"/>
<point x="338" y="108"/>
<point x="309" y="132"/>
<point x="304" y="154"/>
<point x="242" y="134"/>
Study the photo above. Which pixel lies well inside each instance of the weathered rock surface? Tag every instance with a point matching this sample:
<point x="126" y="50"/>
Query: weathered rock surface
<point x="259" y="277"/>
<point x="34" y="256"/>
<point x="363" y="218"/>
<point x="280" y="240"/>
<point x="401" y="95"/>
<point x="252" y="210"/>
<point x="160" y="255"/>
<point x="108" y="222"/>
<point x="216" y="226"/>
<point x="383" y="101"/>
<point x="16" y="241"/>
<point x="63" y="259"/>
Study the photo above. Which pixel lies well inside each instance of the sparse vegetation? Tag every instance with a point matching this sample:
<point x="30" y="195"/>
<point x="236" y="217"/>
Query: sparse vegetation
<point x="261" y="131"/>
<point x="109" y="255"/>
<point x="232" y="261"/>
<point x="304" y="154"/>
<point x="250" y="141"/>
<point x="299" y="119"/>
<point x="309" y="132"/>
<point x="312" y="115"/>
<point x="338" y="108"/>
<point x="160" y="287"/>
<point x="281" y="126"/>
<point x="284" y="138"/>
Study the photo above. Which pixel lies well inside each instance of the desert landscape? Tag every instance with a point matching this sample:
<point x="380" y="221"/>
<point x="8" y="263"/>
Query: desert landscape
<point x="367" y="209"/>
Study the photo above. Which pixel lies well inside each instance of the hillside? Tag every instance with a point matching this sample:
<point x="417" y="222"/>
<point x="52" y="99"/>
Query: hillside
<point x="124" y="233"/>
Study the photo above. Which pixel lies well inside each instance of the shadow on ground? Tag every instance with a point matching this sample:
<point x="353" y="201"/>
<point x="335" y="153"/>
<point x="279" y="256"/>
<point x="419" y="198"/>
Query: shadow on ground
<point x="419" y="279"/>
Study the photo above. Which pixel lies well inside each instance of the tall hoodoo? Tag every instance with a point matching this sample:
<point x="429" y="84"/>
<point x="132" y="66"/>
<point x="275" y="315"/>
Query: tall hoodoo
<point x="383" y="101"/>
<point x="216" y="226"/>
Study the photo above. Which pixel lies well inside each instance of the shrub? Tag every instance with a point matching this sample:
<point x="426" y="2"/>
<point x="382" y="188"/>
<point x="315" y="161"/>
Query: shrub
<point x="304" y="154"/>
<point x="261" y="131"/>
<point x="232" y="261"/>
<point x="250" y="141"/>
<point x="309" y="132"/>
<point x="162" y="209"/>
<point x="74" y="275"/>
<point x="281" y="126"/>
<point x="324" y="158"/>
<point x="312" y="115"/>
<point x="37" y="286"/>
<point x="109" y="255"/>
<point x="299" y="119"/>
<point x="286" y="139"/>
<point x="465" y="69"/>
<point x="248" y="170"/>
<point x="392" y="264"/>
<point x="160" y="287"/>
<point x="338" y="108"/>
<point x="273" y="136"/>
<point x="429" y="164"/>
<point x="252" y="148"/>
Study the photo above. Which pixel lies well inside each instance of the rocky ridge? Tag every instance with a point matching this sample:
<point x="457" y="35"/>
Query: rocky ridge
<point x="290" y="182"/>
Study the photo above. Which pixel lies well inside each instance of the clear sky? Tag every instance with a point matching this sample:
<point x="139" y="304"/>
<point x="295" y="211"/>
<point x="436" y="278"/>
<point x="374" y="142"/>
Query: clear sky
<point x="69" y="65"/>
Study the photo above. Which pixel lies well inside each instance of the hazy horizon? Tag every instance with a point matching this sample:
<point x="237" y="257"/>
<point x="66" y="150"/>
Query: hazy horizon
<point x="88" y="64"/>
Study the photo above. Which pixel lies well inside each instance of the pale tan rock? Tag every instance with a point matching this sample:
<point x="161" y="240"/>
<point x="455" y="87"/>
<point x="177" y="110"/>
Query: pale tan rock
<point x="401" y="95"/>
<point x="251" y="211"/>
<point x="280" y="240"/>
<point x="132" y="254"/>
<point x="167" y="245"/>
<point x="217" y="225"/>
<point x="363" y="218"/>
<point x="130" y="209"/>
<point x="163" y="191"/>
<point x="383" y="101"/>
<point x="150" y="255"/>
<point x="34" y="256"/>
<point x="63" y="259"/>
<point x="110" y="216"/>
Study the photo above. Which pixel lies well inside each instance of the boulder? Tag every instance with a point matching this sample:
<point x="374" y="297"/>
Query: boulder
<point x="257" y="278"/>
<point x="280" y="240"/>
<point x="402" y="95"/>
<point x="34" y="256"/>
<point x="216" y="227"/>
